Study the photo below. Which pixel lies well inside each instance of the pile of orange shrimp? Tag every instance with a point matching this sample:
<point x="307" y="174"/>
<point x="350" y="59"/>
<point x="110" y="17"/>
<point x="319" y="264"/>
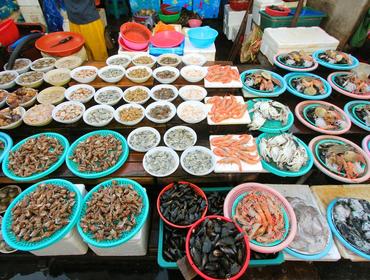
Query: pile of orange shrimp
<point x="222" y="74"/>
<point x="260" y="215"/>
<point x="226" y="107"/>
<point x="234" y="149"/>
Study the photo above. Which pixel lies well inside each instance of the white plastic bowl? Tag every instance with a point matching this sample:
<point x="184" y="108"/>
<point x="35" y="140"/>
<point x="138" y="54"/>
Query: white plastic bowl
<point x="161" y="103"/>
<point x="176" y="128"/>
<point x="34" y="84"/>
<point x="104" y="89"/>
<point x="115" y="79"/>
<point x="139" y="80"/>
<point x="71" y="89"/>
<point x="11" y="83"/>
<point x="150" y="65"/>
<point x="140" y="129"/>
<point x="49" y="90"/>
<point x="44" y="69"/>
<point x="27" y="104"/>
<point x="185" y="89"/>
<point x="193" y="79"/>
<point x="172" y="55"/>
<point x="17" y="123"/>
<point x="21" y="70"/>
<point x="111" y="58"/>
<point x="76" y="62"/>
<point x="158" y="87"/>
<point x="61" y="105"/>
<point x="125" y="106"/>
<point x="87" y="79"/>
<point x="96" y="107"/>
<point x="194" y="59"/>
<point x="199" y="104"/>
<point x="133" y="88"/>
<point x="198" y="148"/>
<point x="56" y="72"/>
<point x="166" y="68"/>
<point x="162" y="149"/>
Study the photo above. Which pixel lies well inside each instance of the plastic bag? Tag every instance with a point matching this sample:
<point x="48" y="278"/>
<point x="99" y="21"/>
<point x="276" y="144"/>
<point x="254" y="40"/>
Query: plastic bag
<point x="54" y="19"/>
<point x="251" y="46"/>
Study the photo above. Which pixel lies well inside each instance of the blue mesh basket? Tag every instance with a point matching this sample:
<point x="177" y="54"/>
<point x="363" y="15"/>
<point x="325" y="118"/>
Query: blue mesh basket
<point x="126" y="236"/>
<point x="73" y="167"/>
<point x="62" y="140"/>
<point x="349" y="109"/>
<point x="8" y="143"/>
<point x="11" y="239"/>
<point x="262" y="93"/>
<point x="354" y="63"/>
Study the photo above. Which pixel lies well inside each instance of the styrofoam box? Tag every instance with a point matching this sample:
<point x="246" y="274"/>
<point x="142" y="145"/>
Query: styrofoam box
<point x="261" y="5"/>
<point x="28" y="3"/>
<point x="287" y="39"/>
<point x="294" y="4"/>
<point x="32" y="14"/>
<point x="232" y="17"/>
<point x="71" y="244"/>
<point x="132" y="54"/>
<point x="248" y="29"/>
<point x="209" y="53"/>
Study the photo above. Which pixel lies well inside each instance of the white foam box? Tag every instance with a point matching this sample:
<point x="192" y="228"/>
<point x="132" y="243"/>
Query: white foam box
<point x="32" y="14"/>
<point x="248" y="29"/>
<point x="71" y="244"/>
<point x="259" y="5"/>
<point x="209" y="53"/>
<point x="294" y="4"/>
<point x="28" y="3"/>
<point x="287" y="39"/>
<point x="232" y="17"/>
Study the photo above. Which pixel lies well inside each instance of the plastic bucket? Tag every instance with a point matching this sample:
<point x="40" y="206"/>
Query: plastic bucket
<point x="9" y="32"/>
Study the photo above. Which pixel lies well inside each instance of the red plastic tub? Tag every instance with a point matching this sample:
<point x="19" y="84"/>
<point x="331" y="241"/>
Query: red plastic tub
<point x="135" y="35"/>
<point x="285" y="11"/>
<point x="46" y="43"/>
<point x="239" y="5"/>
<point x="9" y="32"/>
<point x="196" y="189"/>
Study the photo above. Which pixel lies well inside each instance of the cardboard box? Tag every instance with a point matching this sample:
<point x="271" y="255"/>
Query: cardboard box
<point x="33" y="14"/>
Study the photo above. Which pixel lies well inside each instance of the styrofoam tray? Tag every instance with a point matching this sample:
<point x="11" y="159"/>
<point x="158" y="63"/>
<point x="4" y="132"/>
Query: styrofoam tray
<point x="233" y="84"/>
<point x="244" y="120"/>
<point x="233" y="168"/>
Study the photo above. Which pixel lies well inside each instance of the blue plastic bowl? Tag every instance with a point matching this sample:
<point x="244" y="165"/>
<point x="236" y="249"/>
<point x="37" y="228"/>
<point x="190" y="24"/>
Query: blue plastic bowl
<point x="262" y="93"/>
<point x="10" y="237"/>
<point x="202" y="37"/>
<point x="8" y="143"/>
<point x="312" y="257"/>
<point x="349" y="110"/>
<point x="354" y="64"/>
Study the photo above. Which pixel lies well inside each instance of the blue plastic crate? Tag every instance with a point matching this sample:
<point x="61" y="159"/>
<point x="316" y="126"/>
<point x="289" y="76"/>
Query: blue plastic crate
<point x="158" y="51"/>
<point x="188" y="4"/>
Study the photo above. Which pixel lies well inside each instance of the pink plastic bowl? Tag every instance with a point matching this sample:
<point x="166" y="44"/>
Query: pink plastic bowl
<point x="194" y="22"/>
<point x="342" y="91"/>
<point x="247" y="187"/>
<point x="365" y="145"/>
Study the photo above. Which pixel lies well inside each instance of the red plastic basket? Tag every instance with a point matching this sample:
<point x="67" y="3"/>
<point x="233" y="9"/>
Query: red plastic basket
<point x="276" y="13"/>
<point x="9" y="32"/>
<point x="239" y="5"/>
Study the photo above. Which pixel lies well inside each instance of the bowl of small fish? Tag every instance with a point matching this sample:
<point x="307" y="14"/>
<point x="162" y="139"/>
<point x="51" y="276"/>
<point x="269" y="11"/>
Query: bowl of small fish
<point x="84" y="74"/>
<point x="164" y="93"/>
<point x="160" y="161"/>
<point x="160" y="111"/>
<point x="350" y="84"/>
<point x="7" y="195"/>
<point x="181" y="204"/>
<point x="169" y="60"/>
<point x="21" y="65"/>
<point x="213" y="258"/>
<point x="110" y="95"/>
<point x="263" y="83"/>
<point x="136" y="94"/>
<point x="122" y="60"/>
<point x="24" y="97"/>
<point x="359" y="113"/>
<point x="111" y="73"/>
<point x="99" y="115"/>
<point x="139" y="74"/>
<point x="39" y="115"/>
<point x="307" y="86"/>
<point x="166" y="74"/>
<point x="192" y="111"/>
<point x="144" y="138"/>
<point x="31" y="79"/>
<point x="7" y="79"/>
<point x="296" y="61"/>
<point x="129" y="114"/>
<point x="144" y="60"/>
<point x="198" y="161"/>
<point x="11" y="117"/>
<point x="192" y="92"/>
<point x="340" y="159"/>
<point x="81" y="93"/>
<point x="58" y="77"/>
<point x="70" y="62"/>
<point x="323" y="117"/>
<point x="194" y="59"/>
<point x="336" y="60"/>
<point x="51" y="95"/>
<point x="180" y="137"/>
<point x="43" y="64"/>
<point x="68" y="112"/>
<point x="193" y="73"/>
<point x="284" y="154"/>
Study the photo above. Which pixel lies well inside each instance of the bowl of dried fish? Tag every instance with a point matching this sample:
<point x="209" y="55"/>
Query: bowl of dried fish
<point x="359" y="113"/>
<point x="284" y="155"/>
<point x="31" y="79"/>
<point x="119" y="59"/>
<point x="129" y="114"/>
<point x="336" y="60"/>
<point x="41" y="231"/>
<point x="7" y="195"/>
<point x="51" y="95"/>
<point x="340" y="159"/>
<point x="198" y="161"/>
<point x="161" y="161"/>
<point x="110" y="95"/>
<point x="11" y="117"/>
<point x="166" y="74"/>
<point x="365" y="145"/>
<point x="43" y="64"/>
<point x="180" y="137"/>
<point x="136" y="94"/>
<point x="39" y="115"/>
<point x="296" y="61"/>
<point x="269" y="116"/>
<point x="323" y="117"/>
<point x="144" y="60"/>
<point x="97" y="154"/>
<point x="181" y="204"/>
<point x="4" y="247"/>
<point x="192" y="92"/>
<point x="193" y="73"/>
<point x="192" y="111"/>
<point x="68" y="112"/>
<point x="84" y="74"/>
<point x="111" y="73"/>
<point x="21" y="65"/>
<point x="58" y="77"/>
<point x="164" y="93"/>
<point x="142" y="139"/>
<point x="3" y="95"/>
<point x="307" y="86"/>
<point x="102" y="231"/>
<point x="169" y="59"/>
<point x="6" y="143"/>
<point x="139" y="74"/>
<point x="350" y="84"/>
<point x="98" y="115"/>
<point x="263" y="83"/>
<point x="194" y="59"/>
<point x="213" y="258"/>
<point x="160" y="111"/>
<point x="81" y="93"/>
<point x="348" y="219"/>
<point x="35" y="157"/>
<point x="24" y="97"/>
<point x="7" y="79"/>
<point x="70" y="62"/>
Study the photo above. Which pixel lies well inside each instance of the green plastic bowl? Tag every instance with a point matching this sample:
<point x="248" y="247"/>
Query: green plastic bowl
<point x="169" y="18"/>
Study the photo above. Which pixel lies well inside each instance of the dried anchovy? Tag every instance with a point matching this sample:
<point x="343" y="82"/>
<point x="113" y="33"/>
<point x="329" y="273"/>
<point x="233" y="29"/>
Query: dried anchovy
<point x="35" y="155"/>
<point x="164" y="94"/>
<point x="97" y="153"/>
<point x="180" y="139"/>
<point x="111" y="212"/>
<point x="130" y="114"/>
<point x="198" y="162"/>
<point x="41" y="213"/>
<point x="108" y="96"/>
<point x="143" y="140"/>
<point x="136" y="95"/>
